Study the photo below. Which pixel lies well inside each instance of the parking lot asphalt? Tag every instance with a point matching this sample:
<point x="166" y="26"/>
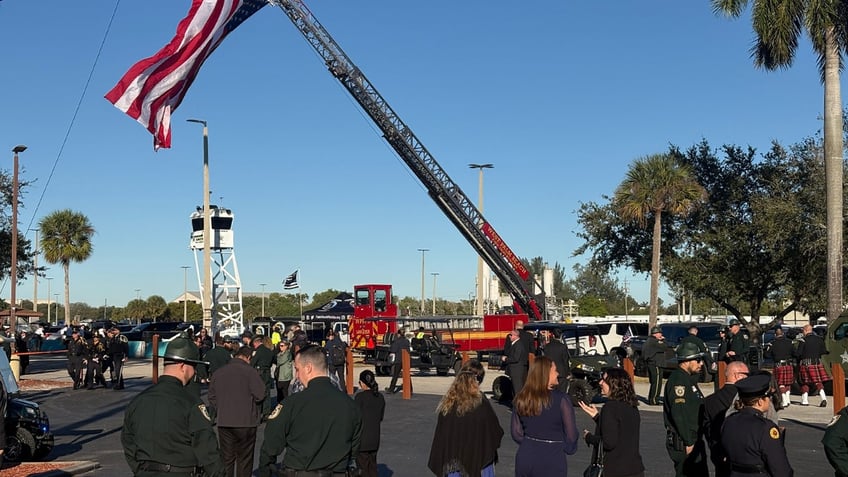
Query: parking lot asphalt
<point x="87" y="425"/>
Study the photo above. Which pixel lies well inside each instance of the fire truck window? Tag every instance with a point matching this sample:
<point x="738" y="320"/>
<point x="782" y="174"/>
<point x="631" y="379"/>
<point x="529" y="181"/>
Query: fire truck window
<point x="362" y="297"/>
<point x="380" y="300"/>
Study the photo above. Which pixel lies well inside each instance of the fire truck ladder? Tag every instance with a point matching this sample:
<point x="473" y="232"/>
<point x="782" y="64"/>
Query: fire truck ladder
<point x="447" y="195"/>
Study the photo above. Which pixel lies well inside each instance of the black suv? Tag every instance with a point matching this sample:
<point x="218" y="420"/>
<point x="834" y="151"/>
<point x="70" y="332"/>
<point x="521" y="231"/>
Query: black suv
<point x="674" y="333"/>
<point x="28" y="434"/>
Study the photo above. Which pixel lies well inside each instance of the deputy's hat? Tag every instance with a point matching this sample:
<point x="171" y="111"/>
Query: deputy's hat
<point x="754" y="386"/>
<point x="688" y="351"/>
<point x="733" y="322"/>
<point x="182" y="350"/>
<point x="656" y="329"/>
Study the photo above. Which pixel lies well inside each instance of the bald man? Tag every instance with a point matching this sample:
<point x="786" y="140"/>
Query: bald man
<point x="715" y="408"/>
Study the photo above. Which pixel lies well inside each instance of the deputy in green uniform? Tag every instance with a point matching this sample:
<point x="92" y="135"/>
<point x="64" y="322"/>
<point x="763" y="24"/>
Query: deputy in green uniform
<point x="319" y="428"/>
<point x="737" y="344"/>
<point x="682" y="412"/>
<point x="835" y="442"/>
<point x="168" y="431"/>
<point x="653" y="352"/>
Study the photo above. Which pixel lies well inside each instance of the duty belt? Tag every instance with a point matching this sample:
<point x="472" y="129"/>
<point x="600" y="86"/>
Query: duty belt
<point x="311" y="473"/>
<point x="157" y="467"/>
<point x="748" y="468"/>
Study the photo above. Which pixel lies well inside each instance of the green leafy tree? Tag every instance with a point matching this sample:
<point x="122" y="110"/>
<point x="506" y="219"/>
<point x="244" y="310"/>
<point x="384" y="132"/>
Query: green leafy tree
<point x="157" y="308"/>
<point x="655" y="185"/>
<point x="778" y="26"/>
<point x="65" y="238"/>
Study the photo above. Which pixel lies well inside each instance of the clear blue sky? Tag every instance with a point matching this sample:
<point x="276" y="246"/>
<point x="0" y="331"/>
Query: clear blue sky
<point x="560" y="96"/>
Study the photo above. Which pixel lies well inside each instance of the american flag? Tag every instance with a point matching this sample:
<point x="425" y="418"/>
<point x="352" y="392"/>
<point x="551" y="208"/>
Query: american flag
<point x="154" y="87"/>
<point x="290" y="283"/>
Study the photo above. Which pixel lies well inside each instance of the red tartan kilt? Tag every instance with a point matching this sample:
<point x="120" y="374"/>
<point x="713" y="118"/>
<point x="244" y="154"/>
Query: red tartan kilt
<point x="784" y="375"/>
<point x="813" y="373"/>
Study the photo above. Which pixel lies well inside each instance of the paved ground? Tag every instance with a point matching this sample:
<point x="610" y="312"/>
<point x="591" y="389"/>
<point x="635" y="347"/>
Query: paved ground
<point x="87" y="425"/>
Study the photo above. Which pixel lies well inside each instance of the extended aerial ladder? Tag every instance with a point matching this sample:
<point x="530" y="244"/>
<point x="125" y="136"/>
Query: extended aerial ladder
<point x="447" y="194"/>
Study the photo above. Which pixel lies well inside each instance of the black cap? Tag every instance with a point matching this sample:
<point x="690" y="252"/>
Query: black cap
<point x="247" y="333"/>
<point x="656" y="329"/>
<point x="754" y="386"/>
<point x="733" y="321"/>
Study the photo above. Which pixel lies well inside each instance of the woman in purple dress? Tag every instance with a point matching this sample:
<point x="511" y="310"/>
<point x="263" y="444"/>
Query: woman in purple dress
<point x="543" y="424"/>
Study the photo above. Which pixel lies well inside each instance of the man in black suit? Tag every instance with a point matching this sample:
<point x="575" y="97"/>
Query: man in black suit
<point x="517" y="361"/>
<point x="554" y="349"/>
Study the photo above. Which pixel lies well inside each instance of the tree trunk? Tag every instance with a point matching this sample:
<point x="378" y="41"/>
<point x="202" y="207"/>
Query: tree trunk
<point x="67" y="267"/>
<point x="655" y="268"/>
<point x="833" y="175"/>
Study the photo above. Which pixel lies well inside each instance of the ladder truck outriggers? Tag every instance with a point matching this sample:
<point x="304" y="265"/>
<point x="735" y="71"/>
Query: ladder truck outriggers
<point x="447" y="195"/>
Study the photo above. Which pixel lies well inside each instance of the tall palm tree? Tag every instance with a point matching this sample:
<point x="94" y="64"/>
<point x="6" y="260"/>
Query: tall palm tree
<point x="655" y="185"/>
<point x="778" y="24"/>
<point x="65" y="238"/>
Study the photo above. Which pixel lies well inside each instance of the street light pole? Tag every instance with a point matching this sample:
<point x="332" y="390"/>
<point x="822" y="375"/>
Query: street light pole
<point x="207" y="232"/>
<point x="35" y="274"/>
<point x="435" y="274"/>
<point x="422" y="250"/>
<point x="185" y="293"/>
<point x="14" y="272"/>
<point x="138" y="293"/>
<point x="49" y="279"/>
<point x="263" y="297"/>
<point x="480" y="282"/>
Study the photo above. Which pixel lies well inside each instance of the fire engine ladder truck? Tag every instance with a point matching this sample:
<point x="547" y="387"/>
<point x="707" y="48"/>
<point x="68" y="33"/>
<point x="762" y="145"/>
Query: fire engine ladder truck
<point x="447" y="195"/>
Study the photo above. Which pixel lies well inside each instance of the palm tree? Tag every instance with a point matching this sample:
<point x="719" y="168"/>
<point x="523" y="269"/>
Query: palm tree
<point x="778" y="24"/>
<point x="655" y="185"/>
<point x="66" y="237"/>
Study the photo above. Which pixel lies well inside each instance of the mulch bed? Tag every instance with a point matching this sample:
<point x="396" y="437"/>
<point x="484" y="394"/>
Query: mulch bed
<point x="27" y="384"/>
<point x="32" y="469"/>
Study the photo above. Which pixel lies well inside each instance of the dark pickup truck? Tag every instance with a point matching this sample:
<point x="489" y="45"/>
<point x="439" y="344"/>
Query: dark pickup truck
<point x="673" y="333"/>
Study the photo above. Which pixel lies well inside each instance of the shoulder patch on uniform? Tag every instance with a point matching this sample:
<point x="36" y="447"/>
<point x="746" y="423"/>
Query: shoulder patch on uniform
<point x="275" y="412"/>
<point x="833" y="421"/>
<point x="774" y="433"/>
<point x="204" y="411"/>
<point x="680" y="391"/>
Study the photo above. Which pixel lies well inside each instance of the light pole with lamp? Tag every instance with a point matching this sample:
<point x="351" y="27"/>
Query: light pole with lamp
<point x="185" y="293"/>
<point x="36" y="252"/>
<point x="263" y="297"/>
<point x="422" y="250"/>
<point x="480" y="282"/>
<point x="435" y="274"/>
<point x="206" y="299"/>
<point x="138" y="293"/>
<point x="49" y="279"/>
<point x="14" y="272"/>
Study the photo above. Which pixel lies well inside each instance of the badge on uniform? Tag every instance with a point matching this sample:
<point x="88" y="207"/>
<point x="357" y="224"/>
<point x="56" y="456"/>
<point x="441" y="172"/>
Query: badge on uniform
<point x="680" y="391"/>
<point x="833" y="421"/>
<point x="275" y="412"/>
<point x="774" y="433"/>
<point x="205" y="412"/>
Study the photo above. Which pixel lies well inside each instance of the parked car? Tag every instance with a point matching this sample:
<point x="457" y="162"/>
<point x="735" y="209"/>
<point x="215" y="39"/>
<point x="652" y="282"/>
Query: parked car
<point x="674" y="333"/>
<point x="28" y="434"/>
<point x="145" y="331"/>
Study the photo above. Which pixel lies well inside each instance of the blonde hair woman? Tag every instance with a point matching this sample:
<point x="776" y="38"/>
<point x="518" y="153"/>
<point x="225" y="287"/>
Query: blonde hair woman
<point x="468" y="433"/>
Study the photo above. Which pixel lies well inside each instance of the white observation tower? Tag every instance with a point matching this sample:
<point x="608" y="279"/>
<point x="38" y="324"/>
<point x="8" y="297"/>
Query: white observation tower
<point x="227" y="311"/>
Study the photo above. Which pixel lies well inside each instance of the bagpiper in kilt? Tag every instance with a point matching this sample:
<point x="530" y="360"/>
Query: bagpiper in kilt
<point x="782" y="352"/>
<point x="810" y="351"/>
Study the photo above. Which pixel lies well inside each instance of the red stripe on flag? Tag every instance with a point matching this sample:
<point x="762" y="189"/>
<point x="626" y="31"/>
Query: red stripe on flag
<point x="154" y="87"/>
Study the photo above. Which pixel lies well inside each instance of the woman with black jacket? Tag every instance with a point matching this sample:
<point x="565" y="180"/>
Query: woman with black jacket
<point x="372" y="406"/>
<point x="617" y="428"/>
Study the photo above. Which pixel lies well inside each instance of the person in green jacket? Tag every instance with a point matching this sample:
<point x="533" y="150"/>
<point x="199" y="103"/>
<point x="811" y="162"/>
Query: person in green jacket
<point x="653" y="352"/>
<point x="835" y="442"/>
<point x="319" y="428"/>
<point x="283" y="371"/>
<point x="262" y="359"/>
<point x="682" y="409"/>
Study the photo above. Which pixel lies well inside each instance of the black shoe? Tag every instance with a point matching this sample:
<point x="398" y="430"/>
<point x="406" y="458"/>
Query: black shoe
<point x="119" y="387"/>
<point x="823" y="404"/>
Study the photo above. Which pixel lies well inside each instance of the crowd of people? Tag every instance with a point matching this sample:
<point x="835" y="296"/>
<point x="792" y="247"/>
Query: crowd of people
<point x="313" y="428"/>
<point x="90" y="359"/>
